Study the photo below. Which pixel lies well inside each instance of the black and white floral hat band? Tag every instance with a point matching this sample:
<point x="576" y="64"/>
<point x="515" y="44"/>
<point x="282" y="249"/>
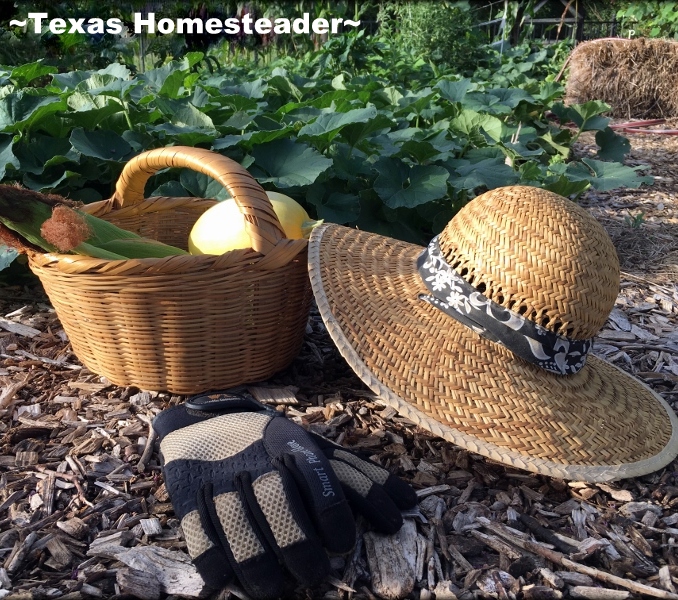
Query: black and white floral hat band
<point x="460" y="300"/>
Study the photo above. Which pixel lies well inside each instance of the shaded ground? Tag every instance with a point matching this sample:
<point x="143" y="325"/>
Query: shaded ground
<point x="79" y="515"/>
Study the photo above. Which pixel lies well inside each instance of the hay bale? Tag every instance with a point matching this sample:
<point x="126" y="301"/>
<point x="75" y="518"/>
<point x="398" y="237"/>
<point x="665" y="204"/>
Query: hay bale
<point x="638" y="78"/>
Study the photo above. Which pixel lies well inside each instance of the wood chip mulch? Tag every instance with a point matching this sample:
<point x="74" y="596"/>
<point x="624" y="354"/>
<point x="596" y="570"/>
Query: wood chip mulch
<point x="84" y="512"/>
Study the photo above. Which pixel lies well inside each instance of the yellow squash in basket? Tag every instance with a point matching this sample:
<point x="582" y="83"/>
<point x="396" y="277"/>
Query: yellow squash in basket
<point x="222" y="227"/>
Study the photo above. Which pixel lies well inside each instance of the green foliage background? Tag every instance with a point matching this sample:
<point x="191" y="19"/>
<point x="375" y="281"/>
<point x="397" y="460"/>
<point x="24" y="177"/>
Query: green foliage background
<point x="366" y="131"/>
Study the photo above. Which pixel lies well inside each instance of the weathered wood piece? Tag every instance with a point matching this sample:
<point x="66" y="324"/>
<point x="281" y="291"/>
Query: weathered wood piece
<point x="598" y="593"/>
<point x="392" y="560"/>
<point x="173" y="570"/>
<point x="137" y="583"/>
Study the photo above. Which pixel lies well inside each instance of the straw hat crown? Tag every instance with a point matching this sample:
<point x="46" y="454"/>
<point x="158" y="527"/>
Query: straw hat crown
<point x="537" y="254"/>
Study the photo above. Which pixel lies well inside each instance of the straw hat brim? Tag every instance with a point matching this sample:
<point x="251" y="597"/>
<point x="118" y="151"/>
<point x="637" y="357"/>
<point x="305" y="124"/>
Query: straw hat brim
<point x="598" y="425"/>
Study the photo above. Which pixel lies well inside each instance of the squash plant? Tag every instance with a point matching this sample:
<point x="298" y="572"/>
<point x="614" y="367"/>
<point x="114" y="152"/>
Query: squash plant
<point x="353" y="147"/>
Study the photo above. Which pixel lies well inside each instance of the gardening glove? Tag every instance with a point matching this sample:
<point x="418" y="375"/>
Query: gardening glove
<point x="259" y="497"/>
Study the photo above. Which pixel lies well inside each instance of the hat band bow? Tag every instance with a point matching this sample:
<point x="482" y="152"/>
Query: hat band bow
<point x="460" y="300"/>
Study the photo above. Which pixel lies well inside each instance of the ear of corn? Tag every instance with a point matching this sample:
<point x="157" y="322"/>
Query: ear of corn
<point x="140" y="248"/>
<point x="25" y="212"/>
<point x="26" y="218"/>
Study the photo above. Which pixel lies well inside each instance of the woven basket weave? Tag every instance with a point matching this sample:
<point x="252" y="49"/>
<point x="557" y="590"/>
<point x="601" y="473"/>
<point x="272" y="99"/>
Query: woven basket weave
<point x="185" y="324"/>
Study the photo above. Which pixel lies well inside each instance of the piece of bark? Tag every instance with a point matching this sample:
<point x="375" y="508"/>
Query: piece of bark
<point x="26" y="459"/>
<point x="109" y="545"/>
<point x="541" y="592"/>
<point x="18" y="328"/>
<point x="665" y="579"/>
<point x="392" y="561"/>
<point x="21" y="549"/>
<point x="61" y="555"/>
<point x="551" y="578"/>
<point x="74" y="527"/>
<point x="47" y="489"/>
<point x="598" y="593"/>
<point x="497" y="544"/>
<point x="11" y="390"/>
<point x="572" y="578"/>
<point x="464" y="565"/>
<point x="545" y="535"/>
<point x="151" y="526"/>
<point x="274" y="394"/>
<point x="173" y="569"/>
<point x="139" y="584"/>
<point x="5" y="581"/>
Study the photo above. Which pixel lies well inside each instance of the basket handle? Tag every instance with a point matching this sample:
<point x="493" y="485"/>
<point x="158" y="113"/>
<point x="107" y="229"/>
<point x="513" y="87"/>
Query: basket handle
<point x="261" y="221"/>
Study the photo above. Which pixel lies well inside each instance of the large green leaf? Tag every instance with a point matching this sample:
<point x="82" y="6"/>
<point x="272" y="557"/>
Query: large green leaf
<point x="327" y="125"/>
<point x="189" y="116"/>
<point x="89" y="111"/>
<point x="23" y="75"/>
<point x="7" y="157"/>
<point x="168" y="79"/>
<point x="48" y="184"/>
<point x="567" y="188"/>
<point x="399" y="185"/>
<point x="202" y="186"/>
<point x="44" y="152"/>
<point x="586" y="116"/>
<point x="612" y="145"/>
<point x="606" y="176"/>
<point x="470" y="119"/>
<point x="24" y="108"/>
<point x="356" y="133"/>
<point x="186" y="136"/>
<point x="489" y="173"/>
<point x="454" y="91"/>
<point x="249" y="89"/>
<point x="285" y="163"/>
<point x="107" y="85"/>
<point x="104" y="145"/>
<point x="339" y="208"/>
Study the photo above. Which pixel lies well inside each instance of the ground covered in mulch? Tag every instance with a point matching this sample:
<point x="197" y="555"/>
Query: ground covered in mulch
<point x="84" y="513"/>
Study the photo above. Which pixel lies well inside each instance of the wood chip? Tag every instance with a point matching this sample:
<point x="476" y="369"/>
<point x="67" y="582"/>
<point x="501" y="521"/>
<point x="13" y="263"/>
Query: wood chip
<point x="274" y="395"/>
<point x="18" y="328"/>
<point x="392" y="560"/>
<point x="598" y="593"/>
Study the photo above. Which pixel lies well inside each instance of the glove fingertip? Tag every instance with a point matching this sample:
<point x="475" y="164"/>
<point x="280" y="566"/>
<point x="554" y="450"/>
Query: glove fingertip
<point x="212" y="566"/>
<point x="337" y="528"/>
<point x="401" y="493"/>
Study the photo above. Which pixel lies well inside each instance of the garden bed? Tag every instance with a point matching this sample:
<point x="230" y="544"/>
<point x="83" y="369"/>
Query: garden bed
<point x="84" y="513"/>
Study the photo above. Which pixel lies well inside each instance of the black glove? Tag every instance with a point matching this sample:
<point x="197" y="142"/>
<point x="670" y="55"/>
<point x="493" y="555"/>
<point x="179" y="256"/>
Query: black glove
<point x="258" y="495"/>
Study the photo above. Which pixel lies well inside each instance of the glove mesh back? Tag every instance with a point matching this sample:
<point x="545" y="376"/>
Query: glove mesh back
<point x="374" y="472"/>
<point x="239" y="533"/>
<point x="271" y="496"/>
<point x="206" y="440"/>
<point x="352" y="478"/>
<point x="195" y="536"/>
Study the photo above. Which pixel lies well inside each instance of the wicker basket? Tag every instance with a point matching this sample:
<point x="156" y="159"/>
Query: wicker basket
<point x="185" y="324"/>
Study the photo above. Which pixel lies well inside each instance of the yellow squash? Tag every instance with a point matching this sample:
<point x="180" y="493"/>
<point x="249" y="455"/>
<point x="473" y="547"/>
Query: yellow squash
<point x="222" y="227"/>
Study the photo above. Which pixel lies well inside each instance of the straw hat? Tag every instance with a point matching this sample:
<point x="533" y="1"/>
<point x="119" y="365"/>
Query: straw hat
<point x="482" y="337"/>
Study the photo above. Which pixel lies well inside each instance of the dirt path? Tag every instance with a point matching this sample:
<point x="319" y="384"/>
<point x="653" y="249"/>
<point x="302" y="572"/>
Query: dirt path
<point x="73" y="498"/>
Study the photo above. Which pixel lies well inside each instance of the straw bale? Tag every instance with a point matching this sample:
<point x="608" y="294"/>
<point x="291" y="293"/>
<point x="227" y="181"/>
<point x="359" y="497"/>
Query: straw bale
<point x="637" y="78"/>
